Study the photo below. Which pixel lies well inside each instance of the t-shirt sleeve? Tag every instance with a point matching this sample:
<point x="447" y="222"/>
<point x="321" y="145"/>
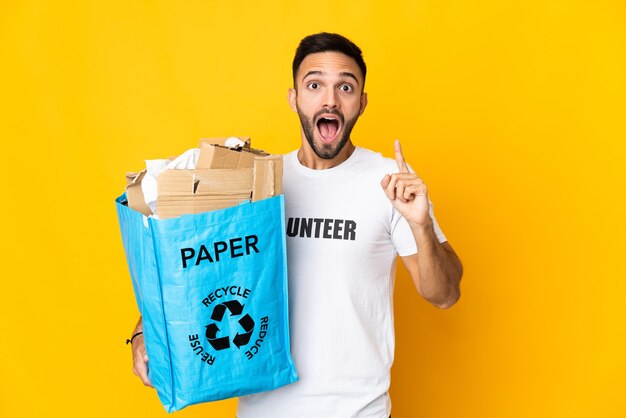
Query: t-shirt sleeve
<point x="402" y="237"/>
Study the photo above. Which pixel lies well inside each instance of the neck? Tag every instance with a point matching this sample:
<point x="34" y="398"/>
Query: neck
<point x="309" y="158"/>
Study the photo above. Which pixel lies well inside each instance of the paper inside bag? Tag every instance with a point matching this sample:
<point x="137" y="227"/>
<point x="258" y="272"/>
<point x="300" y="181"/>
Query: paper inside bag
<point x="209" y="178"/>
<point x="195" y="191"/>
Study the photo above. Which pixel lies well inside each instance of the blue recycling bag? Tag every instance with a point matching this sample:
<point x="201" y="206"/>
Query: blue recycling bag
<point x="212" y="291"/>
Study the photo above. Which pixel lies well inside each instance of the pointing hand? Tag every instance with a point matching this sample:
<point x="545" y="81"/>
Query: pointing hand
<point x="407" y="192"/>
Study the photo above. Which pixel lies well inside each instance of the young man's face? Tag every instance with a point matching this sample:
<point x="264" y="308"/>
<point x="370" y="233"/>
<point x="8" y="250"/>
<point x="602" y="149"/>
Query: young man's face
<point x="328" y="98"/>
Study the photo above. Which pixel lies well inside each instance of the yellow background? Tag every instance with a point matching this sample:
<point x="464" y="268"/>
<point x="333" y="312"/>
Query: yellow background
<point x="512" y="112"/>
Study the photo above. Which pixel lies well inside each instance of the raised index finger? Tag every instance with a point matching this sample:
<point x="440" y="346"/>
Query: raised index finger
<point x="400" y="158"/>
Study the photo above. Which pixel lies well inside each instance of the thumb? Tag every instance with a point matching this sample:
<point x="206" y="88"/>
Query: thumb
<point x="385" y="185"/>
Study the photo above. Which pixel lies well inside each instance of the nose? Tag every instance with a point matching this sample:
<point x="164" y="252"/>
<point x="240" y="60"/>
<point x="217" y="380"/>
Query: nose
<point x="330" y="99"/>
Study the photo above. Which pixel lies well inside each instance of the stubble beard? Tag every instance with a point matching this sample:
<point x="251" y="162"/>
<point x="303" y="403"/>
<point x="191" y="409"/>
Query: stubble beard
<point x="326" y="151"/>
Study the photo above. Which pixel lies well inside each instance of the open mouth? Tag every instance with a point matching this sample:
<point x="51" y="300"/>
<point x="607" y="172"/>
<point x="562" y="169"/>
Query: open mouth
<point x="328" y="126"/>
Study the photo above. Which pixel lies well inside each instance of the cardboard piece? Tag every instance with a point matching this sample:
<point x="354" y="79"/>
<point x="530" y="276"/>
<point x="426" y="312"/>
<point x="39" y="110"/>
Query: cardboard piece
<point x="268" y="177"/>
<point x="223" y="177"/>
<point x="215" y="155"/>
<point x="195" y="191"/>
<point x="222" y="141"/>
<point x="134" y="194"/>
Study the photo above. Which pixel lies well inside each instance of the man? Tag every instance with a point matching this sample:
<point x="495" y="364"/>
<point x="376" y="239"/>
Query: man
<point x="350" y="212"/>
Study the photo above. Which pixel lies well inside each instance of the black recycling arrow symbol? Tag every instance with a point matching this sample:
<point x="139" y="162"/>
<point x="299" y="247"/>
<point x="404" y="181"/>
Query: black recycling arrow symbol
<point x="233" y="306"/>
<point x="211" y="335"/>
<point x="218" y="312"/>
<point x="247" y="323"/>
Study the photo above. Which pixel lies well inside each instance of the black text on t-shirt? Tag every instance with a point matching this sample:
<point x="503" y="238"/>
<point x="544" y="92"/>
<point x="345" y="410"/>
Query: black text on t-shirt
<point x="321" y="228"/>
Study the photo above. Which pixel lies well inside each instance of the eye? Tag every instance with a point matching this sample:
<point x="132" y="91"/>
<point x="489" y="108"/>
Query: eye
<point x="346" y="88"/>
<point x="313" y="85"/>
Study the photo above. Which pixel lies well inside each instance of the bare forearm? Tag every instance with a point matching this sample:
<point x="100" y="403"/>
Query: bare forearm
<point x="439" y="269"/>
<point x="139" y="326"/>
<point x="435" y="269"/>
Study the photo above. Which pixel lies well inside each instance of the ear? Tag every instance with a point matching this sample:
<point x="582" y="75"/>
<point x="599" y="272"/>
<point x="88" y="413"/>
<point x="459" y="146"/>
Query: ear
<point x="363" y="103"/>
<point x="291" y="96"/>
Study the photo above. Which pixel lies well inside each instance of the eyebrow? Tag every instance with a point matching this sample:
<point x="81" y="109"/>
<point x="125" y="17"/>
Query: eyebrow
<point x="343" y="74"/>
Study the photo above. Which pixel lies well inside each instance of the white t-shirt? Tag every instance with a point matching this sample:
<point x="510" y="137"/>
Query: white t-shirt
<point x="343" y="236"/>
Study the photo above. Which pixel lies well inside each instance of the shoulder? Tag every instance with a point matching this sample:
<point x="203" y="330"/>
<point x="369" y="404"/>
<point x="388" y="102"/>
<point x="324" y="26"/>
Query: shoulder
<point x="290" y="155"/>
<point x="374" y="161"/>
<point x="289" y="160"/>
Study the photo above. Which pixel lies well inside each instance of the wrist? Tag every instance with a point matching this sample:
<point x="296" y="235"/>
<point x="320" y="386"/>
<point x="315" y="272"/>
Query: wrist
<point x="421" y="228"/>
<point x="135" y="335"/>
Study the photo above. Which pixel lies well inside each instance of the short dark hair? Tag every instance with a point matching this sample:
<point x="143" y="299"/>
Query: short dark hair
<point x="322" y="42"/>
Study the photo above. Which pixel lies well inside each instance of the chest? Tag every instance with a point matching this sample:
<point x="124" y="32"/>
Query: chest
<point x="332" y="217"/>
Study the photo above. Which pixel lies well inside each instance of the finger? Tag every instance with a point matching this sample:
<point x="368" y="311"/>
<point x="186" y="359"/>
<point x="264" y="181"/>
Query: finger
<point x="400" y="187"/>
<point x="389" y="190"/>
<point x="141" y="370"/>
<point x="144" y="378"/>
<point x="385" y="181"/>
<point x="399" y="182"/>
<point x="392" y="188"/>
<point x="400" y="158"/>
<point x="410" y="192"/>
<point x="147" y="381"/>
